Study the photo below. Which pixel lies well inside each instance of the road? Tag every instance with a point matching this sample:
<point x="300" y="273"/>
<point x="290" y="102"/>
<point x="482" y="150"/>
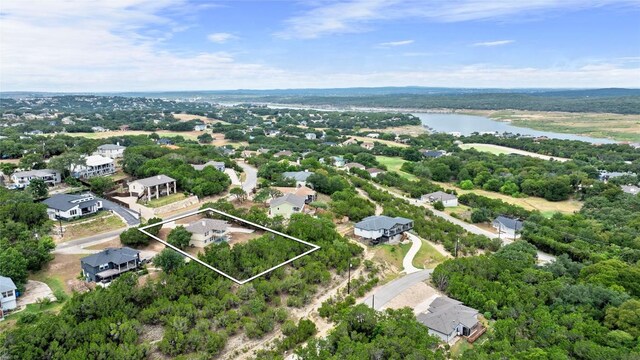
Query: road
<point x="387" y="292"/>
<point x="251" y="179"/>
<point x="128" y="215"/>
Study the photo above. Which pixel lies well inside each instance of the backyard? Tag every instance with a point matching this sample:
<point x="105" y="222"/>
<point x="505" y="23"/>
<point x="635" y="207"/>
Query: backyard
<point x="165" y="200"/>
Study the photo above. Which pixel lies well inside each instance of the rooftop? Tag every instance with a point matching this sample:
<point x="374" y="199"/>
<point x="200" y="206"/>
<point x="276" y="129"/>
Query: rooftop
<point x="111" y="147"/>
<point x="445" y="314"/>
<point x="66" y="202"/>
<point x="292" y="199"/>
<point x="439" y="195"/>
<point x="41" y="172"/>
<point x="6" y="284"/>
<point x="215" y="164"/>
<point x="111" y="255"/>
<point x="204" y="225"/>
<point x="373" y="223"/>
<point x="97" y="160"/>
<point x="509" y="223"/>
<point x="154" y="180"/>
<point x="297" y="175"/>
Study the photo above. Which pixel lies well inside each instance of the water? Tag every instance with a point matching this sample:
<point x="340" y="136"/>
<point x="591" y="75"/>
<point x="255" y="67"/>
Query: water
<point x="467" y="124"/>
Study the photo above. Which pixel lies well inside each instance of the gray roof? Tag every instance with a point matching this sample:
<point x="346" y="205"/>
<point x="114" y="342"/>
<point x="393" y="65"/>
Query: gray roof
<point x="509" y="223"/>
<point x="111" y="147"/>
<point x="66" y="202"/>
<point x="155" y="180"/>
<point x="445" y="314"/>
<point x="373" y="223"/>
<point x="432" y="153"/>
<point x="41" y="172"/>
<point x="215" y="164"/>
<point x="354" y="165"/>
<point x="297" y="175"/>
<point x="204" y="225"/>
<point x="6" y="284"/>
<point x="439" y="195"/>
<point x="114" y="255"/>
<point x="292" y="199"/>
<point x="630" y="189"/>
<point x="374" y="170"/>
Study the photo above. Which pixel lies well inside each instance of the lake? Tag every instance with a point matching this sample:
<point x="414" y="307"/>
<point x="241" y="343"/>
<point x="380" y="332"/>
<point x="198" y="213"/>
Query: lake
<point x="467" y="124"/>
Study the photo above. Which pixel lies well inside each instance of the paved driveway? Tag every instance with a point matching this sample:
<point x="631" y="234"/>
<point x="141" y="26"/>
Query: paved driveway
<point x="128" y="215"/>
<point x="389" y="291"/>
<point x="35" y="290"/>
<point x="251" y="179"/>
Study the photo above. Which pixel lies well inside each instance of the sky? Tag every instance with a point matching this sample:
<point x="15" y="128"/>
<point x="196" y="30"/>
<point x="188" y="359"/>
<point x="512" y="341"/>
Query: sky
<point x="173" y="45"/>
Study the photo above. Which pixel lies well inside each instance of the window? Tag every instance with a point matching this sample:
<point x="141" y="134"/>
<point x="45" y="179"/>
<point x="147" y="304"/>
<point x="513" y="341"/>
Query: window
<point x="104" y="266"/>
<point x="73" y="212"/>
<point x="7" y="294"/>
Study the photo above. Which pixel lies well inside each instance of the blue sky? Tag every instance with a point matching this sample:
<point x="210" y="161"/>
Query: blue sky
<point x="132" y="45"/>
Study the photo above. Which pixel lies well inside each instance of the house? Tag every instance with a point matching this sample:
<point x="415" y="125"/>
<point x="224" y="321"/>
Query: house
<point x="308" y="194"/>
<point x="95" y="165"/>
<point x="448" y="200"/>
<point x="165" y="141"/>
<point x="352" y="165"/>
<point x="68" y="207"/>
<point x="218" y="165"/>
<point x="283" y="153"/>
<point x="123" y="127"/>
<point x="447" y="318"/>
<point x="199" y="127"/>
<point x="434" y="154"/>
<point x="34" y="132"/>
<point x="7" y="294"/>
<point x="373" y="135"/>
<point x="338" y="161"/>
<point x="109" y="263"/>
<point x="286" y="205"/>
<point x="112" y="151"/>
<point x="207" y="231"/>
<point x="382" y="228"/>
<point x="299" y="176"/>
<point x="155" y="186"/>
<point x="630" y="189"/>
<point x="98" y="129"/>
<point x="310" y="136"/>
<point x="227" y="151"/>
<point x="367" y="145"/>
<point x="374" y="172"/>
<point x="508" y="226"/>
<point x="606" y="175"/>
<point x="350" y="141"/>
<point x="272" y="132"/>
<point x="23" y="178"/>
<point x="329" y="143"/>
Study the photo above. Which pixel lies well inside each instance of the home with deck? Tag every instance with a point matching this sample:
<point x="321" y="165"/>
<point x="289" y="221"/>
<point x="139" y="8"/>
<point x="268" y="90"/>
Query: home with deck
<point x="507" y="226"/>
<point x="207" y="231"/>
<point x="23" y="178"/>
<point x="448" y="200"/>
<point x="379" y="229"/>
<point x="286" y="205"/>
<point x="109" y="263"/>
<point x="447" y="319"/>
<point x="153" y="187"/>
<point x="112" y="151"/>
<point x="69" y="207"/>
<point x="95" y="165"/>
<point x="7" y="295"/>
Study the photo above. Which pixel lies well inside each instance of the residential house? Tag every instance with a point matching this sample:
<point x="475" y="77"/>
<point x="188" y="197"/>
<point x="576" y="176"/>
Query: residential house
<point x="68" y="207"/>
<point x="98" y="129"/>
<point x="352" y="165"/>
<point x="508" y="226"/>
<point x="207" y="231"/>
<point x="272" y="132"/>
<point x="338" y="161"/>
<point x="329" y="143"/>
<point x="373" y="135"/>
<point x="227" y="151"/>
<point x="630" y="189"/>
<point x="95" y="165"/>
<point x="34" y="132"/>
<point x="112" y="151"/>
<point x="199" y="127"/>
<point x="308" y="194"/>
<point x="310" y="136"/>
<point x="153" y="187"/>
<point x="109" y="263"/>
<point x="434" y="154"/>
<point x="287" y="205"/>
<point x="447" y="318"/>
<point x="350" y="141"/>
<point x="218" y="165"/>
<point x="606" y="175"/>
<point x="165" y="141"/>
<point x="7" y="295"/>
<point x="299" y="176"/>
<point x="23" y="178"/>
<point x="374" y="172"/>
<point x="382" y="228"/>
<point x="448" y="200"/>
<point x="283" y="153"/>
<point x="368" y="145"/>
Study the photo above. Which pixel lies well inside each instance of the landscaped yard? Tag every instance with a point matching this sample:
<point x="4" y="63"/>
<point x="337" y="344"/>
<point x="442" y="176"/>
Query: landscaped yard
<point x="426" y="258"/>
<point x="165" y="200"/>
<point x="394" y="164"/>
<point x="498" y="150"/>
<point x="105" y="221"/>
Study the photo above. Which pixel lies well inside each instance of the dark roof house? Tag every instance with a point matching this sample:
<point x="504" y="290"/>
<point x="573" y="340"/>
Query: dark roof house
<point x="109" y="264"/>
<point x="448" y="318"/>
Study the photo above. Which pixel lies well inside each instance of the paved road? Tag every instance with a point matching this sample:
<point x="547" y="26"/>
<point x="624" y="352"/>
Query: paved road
<point x="251" y="180"/>
<point x="389" y="291"/>
<point x="407" y="262"/>
<point x="72" y="245"/>
<point x="128" y="215"/>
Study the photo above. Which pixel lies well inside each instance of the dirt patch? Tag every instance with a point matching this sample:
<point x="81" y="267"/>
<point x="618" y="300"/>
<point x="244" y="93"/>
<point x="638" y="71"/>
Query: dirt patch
<point x="411" y="297"/>
<point x="64" y="267"/>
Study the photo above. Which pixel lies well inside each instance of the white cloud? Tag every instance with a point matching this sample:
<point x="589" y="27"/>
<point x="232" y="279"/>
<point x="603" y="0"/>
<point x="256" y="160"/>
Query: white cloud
<point x="355" y="16"/>
<point x="396" y="43"/>
<point x="221" y="38"/>
<point x="494" y="43"/>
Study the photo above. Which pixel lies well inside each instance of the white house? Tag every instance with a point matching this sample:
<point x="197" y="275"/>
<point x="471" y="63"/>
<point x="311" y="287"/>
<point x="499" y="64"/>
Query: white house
<point x="153" y="187"/>
<point x="299" y="176"/>
<point x="374" y="172"/>
<point x="7" y="294"/>
<point x="207" y="231"/>
<point x="67" y="207"/>
<point x="508" y="226"/>
<point x="448" y="200"/>
<point x="112" y="151"/>
<point x="23" y="178"/>
<point x="382" y="228"/>
<point x="630" y="189"/>
<point x="95" y="165"/>
<point x="448" y="318"/>
<point x="310" y="136"/>
<point x="98" y="129"/>
<point x="199" y="127"/>
<point x="218" y="165"/>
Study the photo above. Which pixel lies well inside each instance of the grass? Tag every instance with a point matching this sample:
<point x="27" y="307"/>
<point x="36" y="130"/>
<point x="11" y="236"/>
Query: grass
<point x="99" y="224"/>
<point x="386" y="142"/>
<point x="55" y="282"/>
<point x="165" y="200"/>
<point x="499" y="150"/>
<point x="391" y="254"/>
<point x="427" y="257"/>
<point x="394" y="164"/>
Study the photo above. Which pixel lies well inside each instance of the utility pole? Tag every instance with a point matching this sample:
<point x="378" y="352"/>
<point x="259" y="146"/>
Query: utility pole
<point x="349" y="281"/>
<point x="373" y="301"/>
<point x="61" y="231"/>
<point x="456" y="253"/>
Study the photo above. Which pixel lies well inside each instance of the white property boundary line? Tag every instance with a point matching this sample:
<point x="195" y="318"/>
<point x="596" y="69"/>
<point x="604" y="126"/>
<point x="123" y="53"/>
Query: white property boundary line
<point x="239" y="282"/>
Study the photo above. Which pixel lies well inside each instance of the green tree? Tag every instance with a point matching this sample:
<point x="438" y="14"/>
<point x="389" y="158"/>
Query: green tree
<point x="133" y="237"/>
<point x="14" y="266"/>
<point x="438" y="205"/>
<point x="67" y="161"/>
<point x="179" y="237"/>
<point x="466" y="185"/>
<point x="101" y="185"/>
<point x="38" y="189"/>
<point x="205" y="138"/>
<point x="239" y="193"/>
<point x="509" y="188"/>
<point x="169" y="260"/>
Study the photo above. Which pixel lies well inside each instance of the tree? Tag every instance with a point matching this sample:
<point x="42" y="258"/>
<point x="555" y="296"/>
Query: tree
<point x="205" y="138"/>
<point x="38" y="189"/>
<point x="179" y="237"/>
<point x="466" y="185"/>
<point x="239" y="193"/>
<point x="154" y="136"/>
<point x="438" y="205"/>
<point x="134" y="237"/>
<point x="101" y="184"/>
<point x="509" y="188"/>
<point x="14" y="266"/>
<point x="169" y="260"/>
<point x="32" y="161"/>
<point x="67" y="161"/>
<point x="154" y="230"/>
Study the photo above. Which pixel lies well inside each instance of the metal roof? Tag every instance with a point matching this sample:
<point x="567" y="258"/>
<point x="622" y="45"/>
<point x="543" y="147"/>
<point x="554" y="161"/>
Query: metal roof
<point x="509" y="223"/>
<point x="111" y="255"/>
<point x="439" y="195"/>
<point x="41" y="172"/>
<point x="215" y="164"/>
<point x="204" y="225"/>
<point x="292" y="199"/>
<point x="6" y="284"/>
<point x="66" y="202"/>
<point x="445" y="314"/>
<point x="111" y="147"/>
<point x="374" y="223"/>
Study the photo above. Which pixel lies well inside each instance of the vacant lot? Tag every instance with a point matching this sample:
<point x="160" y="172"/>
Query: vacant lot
<point x="394" y="164"/>
<point x="386" y="142"/>
<point x="498" y="150"/>
<point x="204" y="119"/>
<point x="104" y="222"/>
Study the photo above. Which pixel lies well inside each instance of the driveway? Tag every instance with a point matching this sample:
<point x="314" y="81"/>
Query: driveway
<point x="233" y="176"/>
<point x="129" y="216"/>
<point x="35" y="290"/>
<point x="389" y="291"/>
<point x="407" y="262"/>
<point x="251" y="180"/>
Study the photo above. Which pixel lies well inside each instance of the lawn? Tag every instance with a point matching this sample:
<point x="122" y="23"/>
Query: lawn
<point x="394" y="164"/>
<point x="427" y="257"/>
<point x="386" y="142"/>
<point x="104" y="222"/>
<point x="165" y="200"/>
<point x="498" y="150"/>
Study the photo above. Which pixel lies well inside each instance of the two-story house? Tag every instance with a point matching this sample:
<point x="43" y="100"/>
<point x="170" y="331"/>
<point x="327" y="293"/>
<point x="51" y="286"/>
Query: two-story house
<point x="95" y="165"/>
<point x="7" y="294"/>
<point x="23" y="178"/>
<point x="109" y="264"/>
<point x="153" y="187"/>
<point x="382" y="228"/>
<point x="112" y="151"/>
<point x="207" y="231"/>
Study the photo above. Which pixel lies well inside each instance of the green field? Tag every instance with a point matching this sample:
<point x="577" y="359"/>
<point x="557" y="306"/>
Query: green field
<point x="394" y="164"/>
